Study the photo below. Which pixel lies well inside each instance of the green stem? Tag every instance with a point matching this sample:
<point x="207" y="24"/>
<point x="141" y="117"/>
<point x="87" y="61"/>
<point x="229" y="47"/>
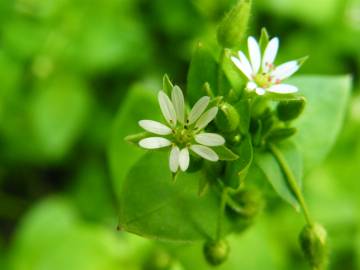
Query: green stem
<point x="291" y="181"/>
<point x="220" y="72"/>
<point x="224" y="196"/>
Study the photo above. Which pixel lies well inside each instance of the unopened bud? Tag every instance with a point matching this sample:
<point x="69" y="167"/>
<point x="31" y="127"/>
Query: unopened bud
<point x="216" y="252"/>
<point x="233" y="27"/>
<point x="228" y="118"/>
<point x="313" y="241"/>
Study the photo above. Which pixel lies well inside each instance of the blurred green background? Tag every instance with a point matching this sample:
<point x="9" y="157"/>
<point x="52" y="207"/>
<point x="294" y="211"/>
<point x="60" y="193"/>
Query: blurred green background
<point x="65" y="67"/>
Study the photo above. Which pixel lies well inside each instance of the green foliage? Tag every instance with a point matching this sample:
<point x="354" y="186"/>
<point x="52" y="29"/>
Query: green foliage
<point x="319" y="125"/>
<point x="154" y="206"/>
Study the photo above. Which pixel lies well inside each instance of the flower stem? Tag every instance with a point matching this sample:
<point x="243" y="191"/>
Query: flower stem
<point x="223" y="199"/>
<point x="291" y="181"/>
<point x="220" y="72"/>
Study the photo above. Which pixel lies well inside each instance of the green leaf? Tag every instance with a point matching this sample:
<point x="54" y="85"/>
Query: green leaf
<point x="154" y="206"/>
<point x="274" y="174"/>
<point x="327" y="98"/>
<point x="203" y="68"/>
<point x="225" y="153"/>
<point x="288" y="110"/>
<point x="139" y="104"/>
<point x="236" y="171"/>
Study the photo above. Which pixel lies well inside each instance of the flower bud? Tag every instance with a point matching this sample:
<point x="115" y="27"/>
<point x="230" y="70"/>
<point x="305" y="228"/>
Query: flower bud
<point x="245" y="207"/>
<point x="233" y="27"/>
<point x="216" y="252"/>
<point x="313" y="241"/>
<point x="227" y="119"/>
<point x="158" y="260"/>
<point x="288" y="110"/>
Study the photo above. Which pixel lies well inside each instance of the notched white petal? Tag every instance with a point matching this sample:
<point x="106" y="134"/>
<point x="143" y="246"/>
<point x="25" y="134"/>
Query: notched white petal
<point x="205" y="152"/>
<point x="255" y="54"/>
<point x="154" y="143"/>
<point x="198" y="109"/>
<point x="174" y="159"/>
<point x="184" y="159"/>
<point x="270" y="54"/>
<point x="167" y="108"/>
<point x="285" y="70"/>
<point x="243" y="68"/>
<point x="206" y="118"/>
<point x="155" y="127"/>
<point x="210" y="139"/>
<point x="177" y="98"/>
<point x="283" y="88"/>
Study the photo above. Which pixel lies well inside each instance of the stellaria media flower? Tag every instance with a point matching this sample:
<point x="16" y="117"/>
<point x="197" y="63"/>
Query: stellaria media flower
<point x="263" y="75"/>
<point x="184" y="132"/>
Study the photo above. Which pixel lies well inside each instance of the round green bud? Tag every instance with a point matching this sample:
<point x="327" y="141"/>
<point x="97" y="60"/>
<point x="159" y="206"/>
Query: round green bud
<point x="233" y="27"/>
<point x="247" y="204"/>
<point x="228" y="118"/>
<point x="216" y="252"/>
<point x="313" y="241"/>
<point x="158" y="260"/>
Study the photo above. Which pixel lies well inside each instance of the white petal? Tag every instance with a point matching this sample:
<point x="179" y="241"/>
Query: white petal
<point x="270" y="53"/>
<point x="205" y="152"/>
<point x="209" y="139"/>
<point x="255" y="55"/>
<point x="206" y="118"/>
<point x="154" y="142"/>
<point x="155" y="127"/>
<point x="244" y="60"/>
<point x="174" y="159"/>
<point x="251" y="86"/>
<point x="283" y="88"/>
<point x="184" y="159"/>
<point x="240" y="65"/>
<point x="260" y="91"/>
<point x="285" y="70"/>
<point x="198" y="109"/>
<point x="167" y="108"/>
<point x="177" y="98"/>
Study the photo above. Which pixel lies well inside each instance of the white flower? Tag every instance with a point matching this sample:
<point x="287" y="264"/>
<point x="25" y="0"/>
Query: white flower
<point x="263" y="75"/>
<point x="183" y="132"/>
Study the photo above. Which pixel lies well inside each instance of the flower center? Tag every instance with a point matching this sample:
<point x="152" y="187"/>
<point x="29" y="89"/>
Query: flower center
<point x="263" y="80"/>
<point x="183" y="136"/>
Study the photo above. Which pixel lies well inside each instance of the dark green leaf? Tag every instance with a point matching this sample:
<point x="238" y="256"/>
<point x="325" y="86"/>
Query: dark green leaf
<point x="288" y="110"/>
<point x="154" y="206"/>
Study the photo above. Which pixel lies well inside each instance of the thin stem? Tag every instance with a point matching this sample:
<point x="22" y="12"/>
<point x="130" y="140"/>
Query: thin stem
<point x="291" y="181"/>
<point x="224" y="196"/>
<point x="220" y="72"/>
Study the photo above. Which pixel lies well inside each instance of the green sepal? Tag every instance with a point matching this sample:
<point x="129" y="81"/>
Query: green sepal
<point x="225" y="153"/>
<point x="291" y="109"/>
<point x="167" y="85"/>
<point x="279" y="134"/>
<point x="135" y="138"/>
<point x="264" y="39"/>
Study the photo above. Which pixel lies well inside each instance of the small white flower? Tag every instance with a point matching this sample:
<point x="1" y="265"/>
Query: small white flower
<point x="263" y="75"/>
<point x="184" y="132"/>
